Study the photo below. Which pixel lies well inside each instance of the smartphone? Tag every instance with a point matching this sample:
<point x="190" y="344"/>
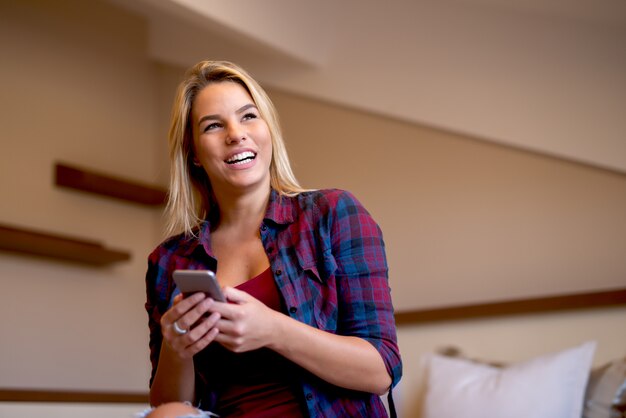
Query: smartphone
<point x="192" y="281"/>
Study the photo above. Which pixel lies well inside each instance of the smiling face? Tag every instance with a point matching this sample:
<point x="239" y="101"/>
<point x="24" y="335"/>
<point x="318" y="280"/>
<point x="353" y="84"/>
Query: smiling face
<point x="231" y="140"/>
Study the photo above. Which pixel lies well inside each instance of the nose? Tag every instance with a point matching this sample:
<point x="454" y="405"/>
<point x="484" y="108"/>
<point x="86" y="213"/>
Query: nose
<point x="235" y="134"/>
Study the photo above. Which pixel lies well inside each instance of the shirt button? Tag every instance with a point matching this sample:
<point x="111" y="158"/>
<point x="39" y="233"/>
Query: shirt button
<point x="263" y="228"/>
<point x="279" y="272"/>
<point x="309" y="396"/>
<point x="293" y="309"/>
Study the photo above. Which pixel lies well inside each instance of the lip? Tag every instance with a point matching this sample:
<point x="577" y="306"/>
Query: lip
<point x="241" y="166"/>
<point x="239" y="151"/>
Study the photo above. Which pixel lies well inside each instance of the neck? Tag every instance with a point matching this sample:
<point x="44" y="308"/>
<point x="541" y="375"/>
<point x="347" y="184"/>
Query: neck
<point x="242" y="210"/>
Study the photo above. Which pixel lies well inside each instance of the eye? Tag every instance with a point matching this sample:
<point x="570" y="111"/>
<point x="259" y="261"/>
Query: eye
<point x="249" y="116"/>
<point x="211" y="126"/>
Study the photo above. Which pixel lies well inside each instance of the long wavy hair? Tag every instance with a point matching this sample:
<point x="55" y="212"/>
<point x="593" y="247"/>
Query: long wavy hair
<point x="190" y="198"/>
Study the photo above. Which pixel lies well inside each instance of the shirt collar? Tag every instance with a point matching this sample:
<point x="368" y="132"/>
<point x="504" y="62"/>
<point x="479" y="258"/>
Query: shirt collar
<point x="280" y="208"/>
<point x="189" y="243"/>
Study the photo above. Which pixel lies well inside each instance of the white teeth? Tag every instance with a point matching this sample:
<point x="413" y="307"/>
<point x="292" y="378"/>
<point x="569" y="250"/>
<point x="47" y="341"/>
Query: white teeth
<point x="240" y="158"/>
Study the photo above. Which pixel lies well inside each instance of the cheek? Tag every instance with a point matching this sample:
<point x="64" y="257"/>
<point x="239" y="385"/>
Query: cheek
<point x="266" y="136"/>
<point x="268" y="149"/>
<point x="205" y="150"/>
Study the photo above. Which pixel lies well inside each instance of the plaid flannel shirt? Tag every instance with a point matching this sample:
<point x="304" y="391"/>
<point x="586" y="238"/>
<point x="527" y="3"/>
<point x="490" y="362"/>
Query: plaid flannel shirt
<point x="328" y="259"/>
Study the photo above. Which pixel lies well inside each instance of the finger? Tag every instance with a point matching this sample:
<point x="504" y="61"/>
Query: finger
<point x="202" y="343"/>
<point x="188" y="302"/>
<point x="204" y="325"/>
<point x="180" y="308"/>
<point x="236" y="295"/>
<point x="201" y="335"/>
<point x="234" y="344"/>
<point x="228" y="311"/>
<point x="184" y="343"/>
<point x="227" y="327"/>
<point x="192" y="317"/>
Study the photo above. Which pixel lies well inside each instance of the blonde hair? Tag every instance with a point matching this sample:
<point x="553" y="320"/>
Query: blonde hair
<point x="190" y="198"/>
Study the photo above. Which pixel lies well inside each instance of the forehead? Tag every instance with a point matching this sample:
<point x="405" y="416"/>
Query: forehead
<point x="220" y="97"/>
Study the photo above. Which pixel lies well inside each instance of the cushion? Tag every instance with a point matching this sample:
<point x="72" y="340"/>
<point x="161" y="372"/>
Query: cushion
<point x="606" y="391"/>
<point x="545" y="387"/>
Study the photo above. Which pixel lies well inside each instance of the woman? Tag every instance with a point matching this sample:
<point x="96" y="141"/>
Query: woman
<point x="308" y="329"/>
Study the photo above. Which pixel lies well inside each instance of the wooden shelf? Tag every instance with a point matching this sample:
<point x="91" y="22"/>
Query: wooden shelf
<point x="57" y="246"/>
<point x="43" y="395"/>
<point x="593" y="299"/>
<point x="106" y="185"/>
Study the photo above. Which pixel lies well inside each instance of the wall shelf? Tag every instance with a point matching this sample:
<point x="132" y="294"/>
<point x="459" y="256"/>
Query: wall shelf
<point x="107" y="185"/>
<point x="43" y="395"/>
<point x="556" y="303"/>
<point x="60" y="247"/>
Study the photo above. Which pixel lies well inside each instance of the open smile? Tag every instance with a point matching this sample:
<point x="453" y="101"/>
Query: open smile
<point x="241" y="158"/>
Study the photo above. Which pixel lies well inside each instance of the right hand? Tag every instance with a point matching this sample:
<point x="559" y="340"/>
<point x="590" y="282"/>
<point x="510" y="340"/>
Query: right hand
<point x="190" y="313"/>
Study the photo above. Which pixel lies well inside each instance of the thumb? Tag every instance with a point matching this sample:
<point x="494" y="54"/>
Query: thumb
<point x="236" y="295"/>
<point x="177" y="298"/>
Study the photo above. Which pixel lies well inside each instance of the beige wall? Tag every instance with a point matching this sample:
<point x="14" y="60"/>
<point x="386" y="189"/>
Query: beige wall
<point x="76" y="87"/>
<point x="463" y="220"/>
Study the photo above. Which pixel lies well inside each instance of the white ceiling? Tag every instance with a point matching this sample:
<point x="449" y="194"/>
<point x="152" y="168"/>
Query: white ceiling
<point x="542" y="75"/>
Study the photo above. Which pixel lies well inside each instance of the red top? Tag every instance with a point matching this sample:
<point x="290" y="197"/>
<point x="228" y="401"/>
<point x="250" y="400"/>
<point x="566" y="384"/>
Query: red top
<point x="258" y="383"/>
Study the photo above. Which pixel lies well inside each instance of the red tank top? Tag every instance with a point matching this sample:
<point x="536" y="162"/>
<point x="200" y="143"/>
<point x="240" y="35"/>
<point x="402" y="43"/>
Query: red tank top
<point x="258" y="383"/>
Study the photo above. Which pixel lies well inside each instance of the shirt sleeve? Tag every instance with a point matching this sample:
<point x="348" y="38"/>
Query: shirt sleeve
<point x="364" y="296"/>
<point x="160" y="290"/>
<point x="156" y="305"/>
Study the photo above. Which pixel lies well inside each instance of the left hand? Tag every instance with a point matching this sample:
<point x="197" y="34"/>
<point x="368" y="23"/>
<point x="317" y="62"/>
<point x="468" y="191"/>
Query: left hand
<point x="246" y="323"/>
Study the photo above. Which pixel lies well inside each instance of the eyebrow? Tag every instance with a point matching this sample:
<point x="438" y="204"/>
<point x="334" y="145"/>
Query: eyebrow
<point x="240" y="110"/>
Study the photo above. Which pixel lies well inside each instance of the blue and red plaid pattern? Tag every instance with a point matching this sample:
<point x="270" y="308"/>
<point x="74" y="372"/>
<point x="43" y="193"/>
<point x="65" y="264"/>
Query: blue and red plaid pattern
<point x="328" y="259"/>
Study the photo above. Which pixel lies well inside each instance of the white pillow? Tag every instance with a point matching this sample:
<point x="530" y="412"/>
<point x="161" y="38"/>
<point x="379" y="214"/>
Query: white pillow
<point x="551" y="386"/>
